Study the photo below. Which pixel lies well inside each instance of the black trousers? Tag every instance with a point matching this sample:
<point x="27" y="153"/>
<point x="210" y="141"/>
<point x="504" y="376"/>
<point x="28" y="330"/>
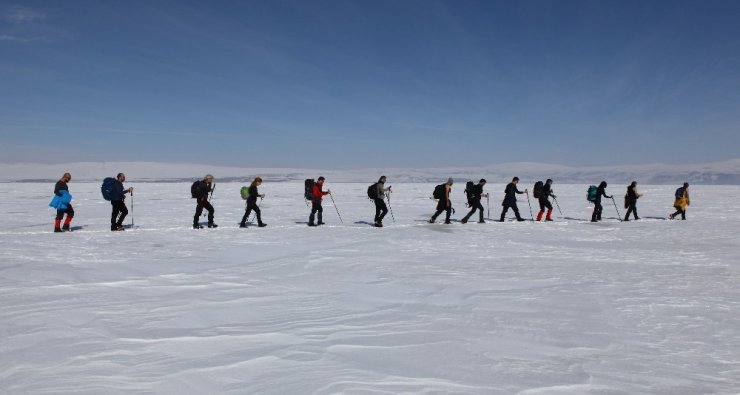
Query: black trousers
<point x="119" y="208"/>
<point x="252" y="206"/>
<point x="475" y="206"/>
<point x="203" y="204"/>
<point x="679" y="211"/>
<point x="545" y="204"/>
<point x="380" y="209"/>
<point x="442" y="206"/>
<point x="598" y="208"/>
<point x="514" y="208"/>
<point x="632" y="208"/>
<point x="316" y="208"/>
<point x="69" y="211"/>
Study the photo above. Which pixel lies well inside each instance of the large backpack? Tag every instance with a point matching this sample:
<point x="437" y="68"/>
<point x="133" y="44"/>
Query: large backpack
<point x="439" y="191"/>
<point x="679" y="193"/>
<point x="537" y="192"/>
<point x="591" y="193"/>
<point x="244" y="191"/>
<point x="470" y="192"/>
<point x="308" y="188"/>
<point x="372" y="191"/>
<point x="195" y="190"/>
<point x="107" y="188"/>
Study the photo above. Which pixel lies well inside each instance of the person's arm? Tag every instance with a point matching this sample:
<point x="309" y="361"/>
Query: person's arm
<point x="447" y="195"/>
<point x="517" y="190"/>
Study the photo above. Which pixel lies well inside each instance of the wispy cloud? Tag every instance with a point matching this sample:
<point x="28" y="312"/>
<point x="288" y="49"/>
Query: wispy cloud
<point x="18" y="14"/>
<point x="9" y="37"/>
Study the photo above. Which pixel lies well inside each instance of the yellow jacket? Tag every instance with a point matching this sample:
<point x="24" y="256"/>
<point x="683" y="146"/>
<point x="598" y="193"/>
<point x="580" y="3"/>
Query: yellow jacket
<point x="682" y="202"/>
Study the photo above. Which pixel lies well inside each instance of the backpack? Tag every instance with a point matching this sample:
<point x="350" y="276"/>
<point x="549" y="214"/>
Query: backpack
<point x="308" y="189"/>
<point x="470" y="192"/>
<point x="372" y="191"/>
<point x="626" y="202"/>
<point x="591" y="193"/>
<point x="107" y="188"/>
<point x="537" y="192"/>
<point x="195" y="190"/>
<point x="244" y="192"/>
<point x="439" y="191"/>
<point x="679" y="193"/>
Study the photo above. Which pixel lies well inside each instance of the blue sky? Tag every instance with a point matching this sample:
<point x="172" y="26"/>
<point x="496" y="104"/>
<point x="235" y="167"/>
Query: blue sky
<point x="337" y="84"/>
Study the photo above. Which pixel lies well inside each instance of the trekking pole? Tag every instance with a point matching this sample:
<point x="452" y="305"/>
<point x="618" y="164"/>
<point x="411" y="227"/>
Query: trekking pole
<point x="132" y="209"/>
<point x="615" y="207"/>
<point x="335" y="207"/>
<point x="530" y="206"/>
<point x="488" y="203"/>
<point x="255" y="213"/>
<point x="556" y="203"/>
<point x="389" y="206"/>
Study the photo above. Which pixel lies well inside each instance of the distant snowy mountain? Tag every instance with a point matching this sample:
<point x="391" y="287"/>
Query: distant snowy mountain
<point x="720" y="173"/>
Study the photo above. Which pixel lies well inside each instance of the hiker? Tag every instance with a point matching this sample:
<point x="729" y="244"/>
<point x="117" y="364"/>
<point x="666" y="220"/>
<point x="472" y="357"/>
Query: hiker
<point x="317" y="196"/>
<point x="442" y="193"/>
<point x="543" y="196"/>
<point x="200" y="191"/>
<point x="62" y="202"/>
<point x="380" y="207"/>
<point x="510" y="199"/>
<point x="630" y="201"/>
<point x="682" y="201"/>
<point x="601" y="191"/>
<point x="252" y="204"/>
<point x="118" y="195"/>
<point x="475" y="194"/>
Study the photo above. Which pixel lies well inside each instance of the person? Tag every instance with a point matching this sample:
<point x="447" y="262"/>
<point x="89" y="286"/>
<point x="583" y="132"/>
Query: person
<point x="544" y="200"/>
<point x="118" y="195"/>
<point x="444" y="203"/>
<point x="381" y="209"/>
<point x="317" y="196"/>
<point x="682" y="201"/>
<point x="60" y="190"/>
<point x="474" y="197"/>
<point x="252" y="204"/>
<point x="510" y="199"/>
<point x="630" y="200"/>
<point x="601" y="191"/>
<point x="201" y="189"/>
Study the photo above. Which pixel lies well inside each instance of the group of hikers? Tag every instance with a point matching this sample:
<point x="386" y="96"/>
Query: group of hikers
<point x="202" y="190"/>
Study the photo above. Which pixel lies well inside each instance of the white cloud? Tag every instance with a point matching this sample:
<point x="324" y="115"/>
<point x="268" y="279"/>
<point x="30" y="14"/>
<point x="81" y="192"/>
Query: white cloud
<point x="18" y="14"/>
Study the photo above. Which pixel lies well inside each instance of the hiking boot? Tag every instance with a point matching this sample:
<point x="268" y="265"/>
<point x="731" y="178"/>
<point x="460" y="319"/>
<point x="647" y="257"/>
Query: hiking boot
<point x="312" y="224"/>
<point x="481" y="222"/>
<point x="262" y="225"/>
<point x="431" y="221"/>
<point x="636" y="218"/>
<point x="197" y="226"/>
<point x="464" y="221"/>
<point x="242" y="225"/>
<point x="548" y="220"/>
<point x="66" y="228"/>
<point x="520" y="219"/>
<point x="58" y="230"/>
<point x="321" y="223"/>
<point x="447" y="222"/>
<point x="212" y="225"/>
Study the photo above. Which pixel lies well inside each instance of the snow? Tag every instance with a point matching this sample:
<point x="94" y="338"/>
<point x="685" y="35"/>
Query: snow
<point x="717" y="173"/>
<point x="567" y="307"/>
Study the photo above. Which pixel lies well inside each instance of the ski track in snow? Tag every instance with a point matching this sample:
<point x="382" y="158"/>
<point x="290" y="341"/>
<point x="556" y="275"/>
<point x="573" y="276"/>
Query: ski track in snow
<point x="567" y="307"/>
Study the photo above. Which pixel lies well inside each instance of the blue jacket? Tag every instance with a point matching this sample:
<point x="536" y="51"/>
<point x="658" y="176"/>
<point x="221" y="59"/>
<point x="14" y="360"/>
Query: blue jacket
<point x="61" y="200"/>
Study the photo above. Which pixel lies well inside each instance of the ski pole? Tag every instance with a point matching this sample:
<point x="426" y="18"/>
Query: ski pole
<point x="530" y="206"/>
<point x="615" y="208"/>
<point x="556" y="203"/>
<point x="389" y="206"/>
<point x="488" y="203"/>
<point x="335" y="207"/>
<point x="132" y="209"/>
<point x="255" y="213"/>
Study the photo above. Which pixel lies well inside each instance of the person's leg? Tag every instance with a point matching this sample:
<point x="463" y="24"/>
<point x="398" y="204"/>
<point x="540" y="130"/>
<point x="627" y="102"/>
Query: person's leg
<point x="594" y="215"/>
<point x="258" y="214"/>
<point x="314" y="209"/>
<point x="482" y="212"/>
<point x="198" y="212"/>
<point x="448" y="213"/>
<point x="548" y="206"/>
<point x="245" y="217"/>
<point x="473" y="209"/>
<point x="123" y="210"/>
<point x="630" y="208"/>
<point x="441" y="206"/>
<point x="70" y="214"/>
<point x="383" y="210"/>
<point x="113" y="215"/>
<point x="58" y="221"/>
<point x="542" y="210"/>
<point x="516" y="212"/>
<point x="503" y="213"/>
<point x="211" y="211"/>
<point x="683" y="215"/>
<point x="320" y="214"/>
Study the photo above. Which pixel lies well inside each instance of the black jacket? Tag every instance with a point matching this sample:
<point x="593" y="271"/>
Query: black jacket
<point x="601" y="192"/>
<point x="510" y="198"/>
<point x="117" y="193"/>
<point x="60" y="186"/>
<point x="253" y="194"/>
<point x="202" y="190"/>
<point x="632" y="196"/>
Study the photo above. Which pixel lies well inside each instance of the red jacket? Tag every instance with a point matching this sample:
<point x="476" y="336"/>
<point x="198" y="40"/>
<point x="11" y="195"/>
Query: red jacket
<point x="318" y="194"/>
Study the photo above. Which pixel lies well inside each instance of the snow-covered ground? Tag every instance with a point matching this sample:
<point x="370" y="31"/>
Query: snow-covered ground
<point x="567" y="307"/>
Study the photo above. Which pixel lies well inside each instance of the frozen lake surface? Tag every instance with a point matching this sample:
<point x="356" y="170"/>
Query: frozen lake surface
<point x="567" y="307"/>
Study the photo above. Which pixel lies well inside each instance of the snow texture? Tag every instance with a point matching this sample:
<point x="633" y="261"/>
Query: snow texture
<point x="719" y="173"/>
<point x="567" y="307"/>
